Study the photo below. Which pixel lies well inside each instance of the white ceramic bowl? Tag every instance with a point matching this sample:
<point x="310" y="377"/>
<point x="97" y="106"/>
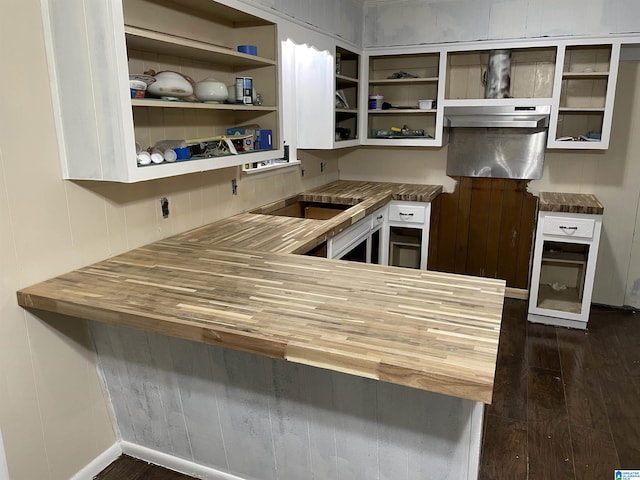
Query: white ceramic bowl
<point x="170" y="85"/>
<point x="211" y="90"/>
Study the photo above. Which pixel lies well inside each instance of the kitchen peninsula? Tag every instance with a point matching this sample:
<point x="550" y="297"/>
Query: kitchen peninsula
<point x="236" y="284"/>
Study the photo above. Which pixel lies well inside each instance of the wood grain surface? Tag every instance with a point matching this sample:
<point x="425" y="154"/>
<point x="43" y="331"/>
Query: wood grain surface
<point x="271" y="233"/>
<point x="427" y="330"/>
<point x="485" y="228"/>
<point x="570" y="203"/>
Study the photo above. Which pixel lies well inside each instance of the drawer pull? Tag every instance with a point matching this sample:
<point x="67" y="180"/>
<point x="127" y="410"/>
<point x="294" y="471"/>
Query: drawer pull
<point x="563" y="227"/>
<point x="406" y="214"/>
<point x="379" y="217"/>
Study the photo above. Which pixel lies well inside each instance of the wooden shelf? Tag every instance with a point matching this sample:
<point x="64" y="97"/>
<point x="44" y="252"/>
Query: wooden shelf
<point x="353" y="111"/>
<point x="403" y="111"/>
<point x="343" y="80"/>
<point x="159" y="103"/>
<point x="578" y="75"/>
<point x="581" y="109"/>
<point x="403" y="81"/>
<point x="147" y="40"/>
<point x="561" y="300"/>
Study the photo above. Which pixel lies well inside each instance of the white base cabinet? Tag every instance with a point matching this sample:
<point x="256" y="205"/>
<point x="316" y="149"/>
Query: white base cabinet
<point x="406" y="239"/>
<point x="362" y="238"/>
<point x="564" y="263"/>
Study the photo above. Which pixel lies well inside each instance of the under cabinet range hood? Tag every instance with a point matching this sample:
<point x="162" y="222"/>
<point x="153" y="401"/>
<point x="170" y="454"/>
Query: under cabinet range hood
<point x="502" y="116"/>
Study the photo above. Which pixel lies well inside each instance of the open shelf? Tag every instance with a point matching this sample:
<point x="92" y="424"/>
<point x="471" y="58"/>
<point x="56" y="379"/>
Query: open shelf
<point x="403" y="81"/>
<point x="559" y="300"/>
<point x="403" y="111"/>
<point x="142" y="39"/>
<point x="159" y="103"/>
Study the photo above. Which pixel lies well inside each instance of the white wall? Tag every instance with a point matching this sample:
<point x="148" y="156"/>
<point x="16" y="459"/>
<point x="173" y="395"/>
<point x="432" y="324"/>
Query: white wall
<point x="342" y="18"/>
<point x="406" y="22"/>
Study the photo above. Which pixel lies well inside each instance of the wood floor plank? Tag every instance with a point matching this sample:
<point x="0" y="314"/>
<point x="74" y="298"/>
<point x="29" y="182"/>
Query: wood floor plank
<point x="123" y="468"/>
<point x="510" y="391"/>
<point x="508" y="438"/>
<point x="542" y="346"/>
<point x="545" y="395"/>
<point x="622" y="400"/>
<point x="549" y="448"/>
<point x="585" y="403"/>
<point x="129" y="468"/>
<point x="594" y="453"/>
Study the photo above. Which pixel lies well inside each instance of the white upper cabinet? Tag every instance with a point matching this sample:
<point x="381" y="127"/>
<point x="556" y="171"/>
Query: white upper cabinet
<point x="93" y="48"/>
<point x="583" y="96"/>
<point x="326" y="88"/>
<point x="402" y="101"/>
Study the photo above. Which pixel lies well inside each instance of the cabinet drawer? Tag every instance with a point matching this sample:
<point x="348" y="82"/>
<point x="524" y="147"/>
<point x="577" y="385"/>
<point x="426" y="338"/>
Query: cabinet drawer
<point x="407" y="213"/>
<point x="568" y="227"/>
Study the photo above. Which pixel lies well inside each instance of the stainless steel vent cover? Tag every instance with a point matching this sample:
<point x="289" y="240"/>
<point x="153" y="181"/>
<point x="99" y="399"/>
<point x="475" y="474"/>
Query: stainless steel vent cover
<point x="516" y="153"/>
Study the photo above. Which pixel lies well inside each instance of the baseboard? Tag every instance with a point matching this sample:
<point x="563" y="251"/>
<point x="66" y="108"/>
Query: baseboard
<point x="174" y="463"/>
<point x="99" y="463"/>
<point x="518" y="293"/>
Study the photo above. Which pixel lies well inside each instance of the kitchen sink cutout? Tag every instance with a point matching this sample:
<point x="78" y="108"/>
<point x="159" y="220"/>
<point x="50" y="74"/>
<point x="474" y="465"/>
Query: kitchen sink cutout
<point x="298" y="207"/>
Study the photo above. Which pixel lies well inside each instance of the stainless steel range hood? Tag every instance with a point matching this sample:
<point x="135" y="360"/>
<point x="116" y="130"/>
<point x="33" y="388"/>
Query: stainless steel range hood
<point x="501" y="116"/>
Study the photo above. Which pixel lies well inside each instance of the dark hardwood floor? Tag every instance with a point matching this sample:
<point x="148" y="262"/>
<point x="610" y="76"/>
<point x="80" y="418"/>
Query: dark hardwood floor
<point x="129" y="468"/>
<point x="566" y="403"/>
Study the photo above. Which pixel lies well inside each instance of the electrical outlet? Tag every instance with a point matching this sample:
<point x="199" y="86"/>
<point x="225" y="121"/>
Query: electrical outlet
<point x="164" y="206"/>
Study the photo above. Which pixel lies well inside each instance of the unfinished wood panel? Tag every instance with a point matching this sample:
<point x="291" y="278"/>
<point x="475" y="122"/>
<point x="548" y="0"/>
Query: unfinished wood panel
<point x="485" y="227"/>
<point x="442" y="250"/>
<point x="527" y="236"/>
<point x="478" y="234"/>
<point x="463" y="220"/>
<point x="510" y="232"/>
<point x="493" y="228"/>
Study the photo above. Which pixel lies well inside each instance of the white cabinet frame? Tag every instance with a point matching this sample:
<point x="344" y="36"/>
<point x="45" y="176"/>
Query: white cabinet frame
<point x="564" y="234"/>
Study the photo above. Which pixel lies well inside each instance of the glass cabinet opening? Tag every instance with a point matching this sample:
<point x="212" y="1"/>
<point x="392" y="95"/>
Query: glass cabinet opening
<point x="562" y="276"/>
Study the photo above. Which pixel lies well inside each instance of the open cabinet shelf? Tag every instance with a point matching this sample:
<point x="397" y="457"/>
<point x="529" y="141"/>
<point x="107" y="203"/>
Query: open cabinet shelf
<point x="98" y="46"/>
<point x="404" y="124"/>
<point x="584" y="92"/>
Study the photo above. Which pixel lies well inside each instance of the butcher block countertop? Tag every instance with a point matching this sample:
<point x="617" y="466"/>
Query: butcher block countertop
<point x="299" y="235"/>
<point x="583" y="203"/>
<point x="428" y="330"/>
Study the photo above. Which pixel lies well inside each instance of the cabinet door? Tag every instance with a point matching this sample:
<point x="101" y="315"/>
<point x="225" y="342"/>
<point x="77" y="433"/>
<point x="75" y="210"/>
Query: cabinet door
<point x="583" y="96"/>
<point x="327" y="95"/>
<point x="313" y="71"/>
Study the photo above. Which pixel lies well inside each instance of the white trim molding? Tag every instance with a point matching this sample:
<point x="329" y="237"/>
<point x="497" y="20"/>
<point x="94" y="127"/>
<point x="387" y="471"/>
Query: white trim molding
<point x="174" y="463"/>
<point x="98" y="464"/>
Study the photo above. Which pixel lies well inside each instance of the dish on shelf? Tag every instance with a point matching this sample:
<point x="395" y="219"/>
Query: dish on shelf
<point x="171" y="86"/>
<point x="211" y="90"/>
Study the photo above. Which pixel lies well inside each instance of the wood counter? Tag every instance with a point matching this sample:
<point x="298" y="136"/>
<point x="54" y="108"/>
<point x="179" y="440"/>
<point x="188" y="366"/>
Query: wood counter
<point x="427" y="330"/>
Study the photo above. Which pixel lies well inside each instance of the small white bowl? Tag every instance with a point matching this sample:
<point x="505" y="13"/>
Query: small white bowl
<point x="211" y="90"/>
